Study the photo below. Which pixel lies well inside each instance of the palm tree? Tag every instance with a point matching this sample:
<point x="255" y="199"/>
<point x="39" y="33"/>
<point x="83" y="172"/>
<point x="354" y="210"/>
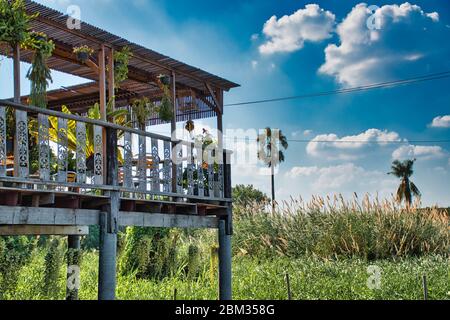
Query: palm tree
<point x="269" y="151"/>
<point x="407" y="189"/>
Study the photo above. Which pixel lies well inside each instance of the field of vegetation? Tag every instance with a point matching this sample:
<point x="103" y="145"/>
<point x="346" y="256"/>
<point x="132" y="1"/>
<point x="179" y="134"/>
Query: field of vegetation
<point x="326" y="246"/>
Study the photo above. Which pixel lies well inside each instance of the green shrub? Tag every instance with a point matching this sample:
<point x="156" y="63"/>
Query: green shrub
<point x="149" y="253"/>
<point x="52" y="268"/>
<point x="14" y="254"/>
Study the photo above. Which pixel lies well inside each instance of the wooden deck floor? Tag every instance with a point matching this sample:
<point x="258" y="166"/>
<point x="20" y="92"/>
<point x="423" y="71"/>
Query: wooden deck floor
<point x="18" y="197"/>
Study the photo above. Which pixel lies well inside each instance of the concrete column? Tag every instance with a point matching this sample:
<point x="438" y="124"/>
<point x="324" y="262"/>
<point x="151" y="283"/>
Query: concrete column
<point x="225" y="290"/>
<point x="107" y="261"/>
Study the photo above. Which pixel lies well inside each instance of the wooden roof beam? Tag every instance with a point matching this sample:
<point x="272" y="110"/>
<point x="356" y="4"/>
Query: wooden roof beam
<point x="70" y="57"/>
<point x="219" y="107"/>
<point x="100" y="43"/>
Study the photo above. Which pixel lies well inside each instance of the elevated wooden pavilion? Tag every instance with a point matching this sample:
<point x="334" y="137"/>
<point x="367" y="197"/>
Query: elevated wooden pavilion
<point x="157" y="182"/>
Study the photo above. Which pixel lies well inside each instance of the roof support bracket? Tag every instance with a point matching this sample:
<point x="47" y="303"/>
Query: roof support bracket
<point x="219" y="108"/>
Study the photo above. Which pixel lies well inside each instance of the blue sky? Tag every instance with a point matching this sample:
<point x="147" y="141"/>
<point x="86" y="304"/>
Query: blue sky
<point x="319" y="46"/>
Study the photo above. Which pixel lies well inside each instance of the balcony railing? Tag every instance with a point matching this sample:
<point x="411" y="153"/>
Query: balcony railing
<point x="43" y="149"/>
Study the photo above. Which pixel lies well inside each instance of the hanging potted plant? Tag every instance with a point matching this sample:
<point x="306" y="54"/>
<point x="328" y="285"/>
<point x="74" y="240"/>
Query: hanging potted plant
<point x="164" y="79"/>
<point x="142" y="110"/>
<point x="14" y="22"/>
<point x="190" y="126"/>
<point x="121" y="61"/>
<point x="166" y="106"/>
<point x="165" y="109"/>
<point x="83" y="53"/>
<point x="39" y="73"/>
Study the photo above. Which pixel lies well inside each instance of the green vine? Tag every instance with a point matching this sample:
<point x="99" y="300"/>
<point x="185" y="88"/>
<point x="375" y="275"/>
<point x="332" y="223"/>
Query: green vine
<point x="14" y="22"/>
<point x="121" y="61"/>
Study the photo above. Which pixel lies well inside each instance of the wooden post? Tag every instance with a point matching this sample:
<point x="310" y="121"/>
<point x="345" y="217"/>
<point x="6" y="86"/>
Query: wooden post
<point x="102" y="81"/>
<point x="112" y="179"/>
<point x="219" y="113"/>
<point x="272" y="185"/>
<point x="103" y="98"/>
<point x="16" y="61"/>
<point x="225" y="286"/>
<point x="73" y="267"/>
<point x="425" y="287"/>
<point x="16" y="58"/>
<point x="228" y="189"/>
<point x="173" y="129"/>
<point x="111" y="83"/>
<point x="220" y="178"/>
<point x="109" y="220"/>
<point x="288" y="285"/>
<point x="220" y="119"/>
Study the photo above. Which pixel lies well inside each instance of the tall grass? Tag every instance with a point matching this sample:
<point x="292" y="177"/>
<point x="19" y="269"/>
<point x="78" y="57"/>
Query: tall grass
<point x="325" y="244"/>
<point x="333" y="227"/>
<point x="311" y="278"/>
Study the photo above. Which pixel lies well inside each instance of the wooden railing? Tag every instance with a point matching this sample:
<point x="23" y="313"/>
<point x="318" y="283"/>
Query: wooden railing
<point x="145" y="165"/>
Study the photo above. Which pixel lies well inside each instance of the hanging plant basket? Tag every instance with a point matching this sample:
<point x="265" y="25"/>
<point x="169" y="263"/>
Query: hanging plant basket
<point x="190" y="126"/>
<point x="39" y="73"/>
<point x="164" y="79"/>
<point x="40" y="37"/>
<point x="83" y="53"/>
<point x="83" y="56"/>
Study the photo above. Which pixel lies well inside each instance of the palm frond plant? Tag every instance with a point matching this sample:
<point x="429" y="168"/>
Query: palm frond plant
<point x="407" y="189"/>
<point x="271" y="144"/>
<point x="119" y="117"/>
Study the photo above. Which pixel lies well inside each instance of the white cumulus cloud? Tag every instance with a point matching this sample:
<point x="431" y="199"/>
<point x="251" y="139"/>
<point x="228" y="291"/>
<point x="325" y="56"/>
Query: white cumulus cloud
<point x="343" y="178"/>
<point x="333" y="147"/>
<point x="441" y="122"/>
<point x="405" y="38"/>
<point x="289" y="33"/>
<point x="418" y="152"/>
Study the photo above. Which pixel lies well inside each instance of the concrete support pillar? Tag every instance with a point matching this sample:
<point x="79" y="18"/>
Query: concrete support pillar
<point x="225" y="288"/>
<point x="107" y="261"/>
<point x="73" y="267"/>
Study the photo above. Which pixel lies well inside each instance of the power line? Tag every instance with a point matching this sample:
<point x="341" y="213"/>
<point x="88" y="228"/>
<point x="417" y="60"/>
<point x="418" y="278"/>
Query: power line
<point x="351" y="141"/>
<point x="404" y="141"/>
<point x="394" y="83"/>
